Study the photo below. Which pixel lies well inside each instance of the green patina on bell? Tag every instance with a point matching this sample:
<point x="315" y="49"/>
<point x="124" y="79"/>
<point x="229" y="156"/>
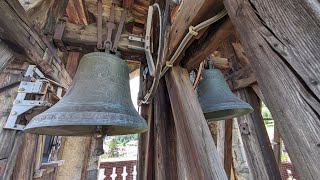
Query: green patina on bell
<point x="98" y="100"/>
<point x="216" y="99"/>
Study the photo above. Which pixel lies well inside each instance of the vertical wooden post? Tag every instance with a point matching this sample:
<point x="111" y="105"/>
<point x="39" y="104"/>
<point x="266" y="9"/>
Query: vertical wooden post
<point x="285" y="58"/>
<point x="10" y="140"/>
<point x="277" y="145"/>
<point x="149" y="154"/>
<point x="221" y="139"/>
<point x="199" y="157"/>
<point x="165" y="146"/>
<point x="145" y="113"/>
<point x="256" y="141"/>
<point x="240" y="166"/>
<point x="228" y="147"/>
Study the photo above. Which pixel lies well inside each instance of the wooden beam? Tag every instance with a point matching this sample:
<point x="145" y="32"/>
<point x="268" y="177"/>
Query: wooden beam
<point x="277" y="145"/>
<point x="228" y="148"/>
<point x="207" y="44"/>
<point x="190" y="13"/>
<point x="164" y="136"/>
<point x="255" y="138"/>
<point x="19" y="34"/>
<point x="56" y="11"/>
<point x="240" y="165"/>
<point x="6" y="55"/>
<point x="76" y="12"/>
<point x="24" y="167"/>
<point x="10" y="140"/>
<point x="73" y="62"/>
<point x="285" y="58"/>
<point x="199" y="157"/>
<point x="85" y="37"/>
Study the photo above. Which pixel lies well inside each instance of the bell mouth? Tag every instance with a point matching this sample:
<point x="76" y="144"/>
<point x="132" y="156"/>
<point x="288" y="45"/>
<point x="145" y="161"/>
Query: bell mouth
<point x="226" y="114"/>
<point x="84" y="130"/>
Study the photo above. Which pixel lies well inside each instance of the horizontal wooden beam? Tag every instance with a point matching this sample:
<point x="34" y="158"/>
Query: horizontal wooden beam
<point x="28" y="43"/>
<point x="84" y="38"/>
<point x="207" y="44"/>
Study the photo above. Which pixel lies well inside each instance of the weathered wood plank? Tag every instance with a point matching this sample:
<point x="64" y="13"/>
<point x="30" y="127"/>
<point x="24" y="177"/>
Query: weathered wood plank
<point x="240" y="165"/>
<point x="6" y="55"/>
<point x="285" y="57"/>
<point x="207" y="44"/>
<point x="11" y="75"/>
<point x="199" y="157"/>
<point x="13" y="156"/>
<point x="24" y="167"/>
<point x="259" y="152"/>
<point x="85" y="36"/>
<point x="19" y="34"/>
<point x="277" y="145"/>
<point x="228" y="148"/>
<point x="190" y="13"/>
<point x="73" y="62"/>
<point x="148" y="172"/>
<point x="165" y="146"/>
<point x="76" y="12"/>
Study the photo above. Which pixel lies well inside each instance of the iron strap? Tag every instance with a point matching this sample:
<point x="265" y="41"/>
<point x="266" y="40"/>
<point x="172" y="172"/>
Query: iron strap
<point x="119" y="31"/>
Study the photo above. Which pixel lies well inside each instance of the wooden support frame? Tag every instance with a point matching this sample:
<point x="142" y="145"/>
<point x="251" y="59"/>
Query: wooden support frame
<point x="165" y="136"/>
<point x="290" y="71"/>
<point x="21" y="36"/>
<point x="198" y="157"/>
<point x="255" y="138"/>
<point x="207" y="44"/>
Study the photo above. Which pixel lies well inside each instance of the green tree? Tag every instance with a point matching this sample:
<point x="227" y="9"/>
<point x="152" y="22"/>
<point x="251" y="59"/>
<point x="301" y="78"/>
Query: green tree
<point x="113" y="149"/>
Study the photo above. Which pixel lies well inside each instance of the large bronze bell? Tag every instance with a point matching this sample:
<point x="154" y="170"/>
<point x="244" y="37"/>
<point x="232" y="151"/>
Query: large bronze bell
<point x="216" y="99"/>
<point x="98" y="102"/>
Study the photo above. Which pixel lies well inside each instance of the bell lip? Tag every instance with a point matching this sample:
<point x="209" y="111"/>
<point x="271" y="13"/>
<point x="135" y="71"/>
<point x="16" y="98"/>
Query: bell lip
<point x="106" y="119"/>
<point x="61" y="132"/>
<point x="243" y="109"/>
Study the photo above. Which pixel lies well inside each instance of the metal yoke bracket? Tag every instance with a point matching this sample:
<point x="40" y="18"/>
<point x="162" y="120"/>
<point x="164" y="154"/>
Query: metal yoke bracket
<point x="30" y="85"/>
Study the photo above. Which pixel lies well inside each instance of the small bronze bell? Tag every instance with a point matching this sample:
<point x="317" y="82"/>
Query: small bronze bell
<point x="98" y="102"/>
<point x="216" y="99"/>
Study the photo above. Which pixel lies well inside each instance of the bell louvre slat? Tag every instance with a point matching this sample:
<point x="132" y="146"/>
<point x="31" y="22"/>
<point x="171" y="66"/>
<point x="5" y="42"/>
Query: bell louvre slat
<point x="98" y="101"/>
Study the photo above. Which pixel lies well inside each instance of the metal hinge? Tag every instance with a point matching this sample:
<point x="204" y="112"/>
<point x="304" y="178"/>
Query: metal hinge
<point x="34" y="82"/>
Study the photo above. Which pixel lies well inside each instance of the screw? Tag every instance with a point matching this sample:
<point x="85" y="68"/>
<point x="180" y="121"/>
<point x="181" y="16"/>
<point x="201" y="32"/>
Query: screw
<point x="21" y="89"/>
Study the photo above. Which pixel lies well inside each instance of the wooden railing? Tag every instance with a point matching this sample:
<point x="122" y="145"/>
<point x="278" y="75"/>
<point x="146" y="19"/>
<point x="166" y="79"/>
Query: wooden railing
<point x="116" y="170"/>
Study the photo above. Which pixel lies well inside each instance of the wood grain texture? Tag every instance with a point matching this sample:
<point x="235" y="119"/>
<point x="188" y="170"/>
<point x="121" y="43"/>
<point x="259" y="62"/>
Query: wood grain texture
<point x="199" y="157"/>
<point x="11" y="75"/>
<point x="18" y="33"/>
<point x="258" y="148"/>
<point x="6" y="55"/>
<point x="86" y="37"/>
<point x="207" y="44"/>
<point x="76" y="12"/>
<point x="165" y="138"/>
<point x="284" y="55"/>
<point x="228" y="148"/>
<point x="188" y="14"/>
<point x="24" y="167"/>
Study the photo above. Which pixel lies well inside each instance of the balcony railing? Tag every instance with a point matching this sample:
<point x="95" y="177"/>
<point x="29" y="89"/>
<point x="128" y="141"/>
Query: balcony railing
<point x="118" y="170"/>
